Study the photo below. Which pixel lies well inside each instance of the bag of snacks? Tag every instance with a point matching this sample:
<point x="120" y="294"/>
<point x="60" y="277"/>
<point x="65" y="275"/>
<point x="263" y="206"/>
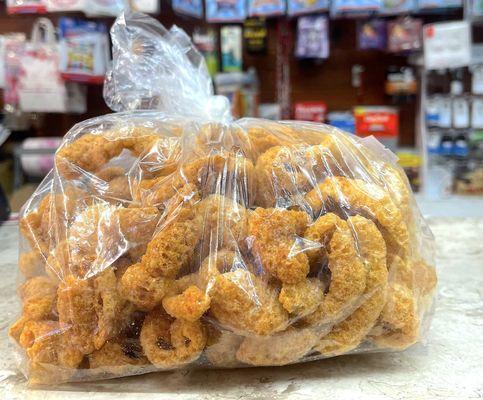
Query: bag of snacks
<point x="176" y="237"/>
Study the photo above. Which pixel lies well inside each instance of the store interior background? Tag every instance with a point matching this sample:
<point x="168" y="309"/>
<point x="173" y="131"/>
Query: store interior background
<point x="450" y="183"/>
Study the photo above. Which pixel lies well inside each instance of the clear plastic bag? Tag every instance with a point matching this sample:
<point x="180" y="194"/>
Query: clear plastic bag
<point x="177" y="237"/>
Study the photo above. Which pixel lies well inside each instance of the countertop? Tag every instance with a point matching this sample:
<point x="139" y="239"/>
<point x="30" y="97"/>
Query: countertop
<point x="449" y="366"/>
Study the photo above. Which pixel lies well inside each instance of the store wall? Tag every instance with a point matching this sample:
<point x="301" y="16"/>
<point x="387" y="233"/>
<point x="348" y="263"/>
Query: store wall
<point x="328" y="81"/>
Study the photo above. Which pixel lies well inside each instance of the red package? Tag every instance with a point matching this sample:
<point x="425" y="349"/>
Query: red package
<point x="382" y="122"/>
<point x="310" y="111"/>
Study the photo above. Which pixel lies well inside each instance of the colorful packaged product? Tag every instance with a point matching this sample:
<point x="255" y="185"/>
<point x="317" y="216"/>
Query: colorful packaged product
<point x="344" y="7"/>
<point x="231" y="48"/>
<point x="404" y="35"/>
<point x="266" y="8"/>
<point x="193" y="8"/>
<point x="312" y="37"/>
<point x="225" y="10"/>
<point x="255" y="34"/>
<point x="299" y="7"/>
<point x="372" y="34"/>
<point x="206" y="43"/>
<point x="393" y="7"/>
<point x="84" y="50"/>
<point x="310" y="111"/>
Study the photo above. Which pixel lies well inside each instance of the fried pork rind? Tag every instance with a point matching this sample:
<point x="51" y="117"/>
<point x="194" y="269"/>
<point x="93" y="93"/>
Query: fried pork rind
<point x="161" y="241"/>
<point x="283" y="348"/>
<point x="171" y="343"/>
<point x="274" y="238"/>
<point x="347" y="271"/>
<point x="221" y="347"/>
<point x="348" y="334"/>
<point x="244" y="303"/>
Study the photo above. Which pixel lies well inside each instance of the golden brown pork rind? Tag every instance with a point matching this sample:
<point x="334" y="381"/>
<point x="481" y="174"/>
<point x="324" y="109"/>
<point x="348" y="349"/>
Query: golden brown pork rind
<point x="171" y="243"/>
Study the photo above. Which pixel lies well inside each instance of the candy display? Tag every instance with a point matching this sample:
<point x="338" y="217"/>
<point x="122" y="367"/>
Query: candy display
<point x="178" y="237"/>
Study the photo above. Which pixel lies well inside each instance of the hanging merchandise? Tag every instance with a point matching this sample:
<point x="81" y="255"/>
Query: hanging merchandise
<point x="432" y="111"/>
<point x="255" y="35"/>
<point x="231" y="48"/>
<point x="404" y="35"/>
<point x="357" y="7"/>
<point x="314" y="111"/>
<point x="438" y="4"/>
<point x="298" y="7"/>
<point x="146" y="6"/>
<point x="447" y="45"/>
<point x="461" y="112"/>
<point x="206" y="43"/>
<point x="372" y="34"/>
<point x="108" y="8"/>
<point x="26" y="7"/>
<point x="312" y="37"/>
<point x="40" y="86"/>
<point x="225" y="11"/>
<point x="84" y="50"/>
<point x="193" y="8"/>
<point x="266" y="8"/>
<point x="393" y="7"/>
<point x="65" y="5"/>
<point x="2" y="62"/>
<point x="14" y="46"/>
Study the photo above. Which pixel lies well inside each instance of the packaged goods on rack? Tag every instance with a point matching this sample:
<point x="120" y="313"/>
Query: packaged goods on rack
<point x="225" y="11"/>
<point x="299" y="7"/>
<point x="193" y="8"/>
<point x="354" y="7"/>
<point x="392" y="7"/>
<point x="108" y="8"/>
<point x="179" y="237"/>
<point x="438" y="4"/>
<point x="26" y="6"/>
<point x="40" y="86"/>
<point x="263" y="8"/>
<point x="84" y="50"/>
<point x="65" y="5"/>
<point x="372" y="34"/>
<point x="312" y="37"/>
<point x="206" y="43"/>
<point x="404" y="35"/>
<point x="255" y="35"/>
<point x="231" y="48"/>
<point x="13" y="47"/>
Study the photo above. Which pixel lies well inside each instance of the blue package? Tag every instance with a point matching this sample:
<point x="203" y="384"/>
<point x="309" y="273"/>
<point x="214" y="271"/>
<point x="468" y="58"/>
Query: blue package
<point x="266" y="8"/>
<point x="342" y="120"/>
<point x="428" y="4"/>
<point x="225" y="10"/>
<point x="298" y="7"/>
<point x="393" y="7"/>
<point x="372" y="34"/>
<point x="193" y="8"/>
<point x="343" y="7"/>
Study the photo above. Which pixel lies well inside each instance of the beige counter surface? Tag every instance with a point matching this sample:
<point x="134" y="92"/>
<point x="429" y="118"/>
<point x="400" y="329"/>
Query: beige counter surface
<point x="450" y="366"/>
